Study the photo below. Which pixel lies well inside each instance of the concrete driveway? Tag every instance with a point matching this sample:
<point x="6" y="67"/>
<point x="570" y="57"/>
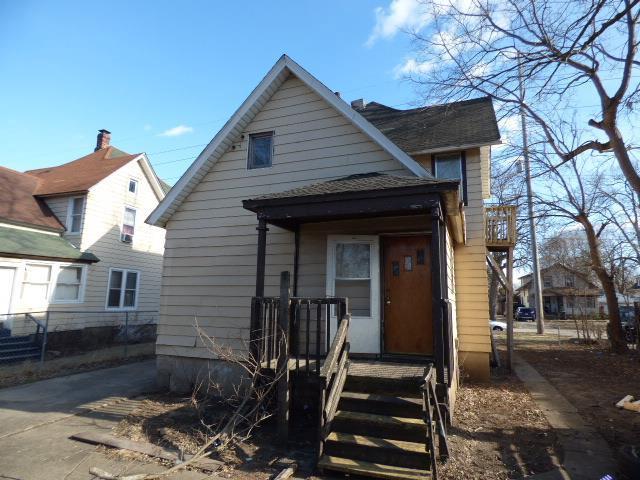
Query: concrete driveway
<point x="37" y="419"/>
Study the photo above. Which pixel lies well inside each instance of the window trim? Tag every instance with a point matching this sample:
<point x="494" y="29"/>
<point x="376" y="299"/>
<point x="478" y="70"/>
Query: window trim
<point x="135" y="215"/>
<point x="463" y="168"/>
<point x="70" y="214"/>
<point x="544" y="281"/>
<point x="53" y="280"/>
<point x="137" y="184"/>
<point x="122" y="289"/>
<point x="269" y="133"/>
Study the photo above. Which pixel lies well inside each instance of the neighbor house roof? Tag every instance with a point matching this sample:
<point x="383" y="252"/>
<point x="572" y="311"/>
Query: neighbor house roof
<point x="234" y="127"/>
<point x="526" y="279"/>
<point x="22" y="243"/>
<point x="358" y="183"/>
<point x="81" y="174"/>
<point x="18" y="205"/>
<point x="456" y="125"/>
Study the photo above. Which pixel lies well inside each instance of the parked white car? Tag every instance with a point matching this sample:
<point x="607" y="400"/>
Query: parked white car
<point x="498" y="326"/>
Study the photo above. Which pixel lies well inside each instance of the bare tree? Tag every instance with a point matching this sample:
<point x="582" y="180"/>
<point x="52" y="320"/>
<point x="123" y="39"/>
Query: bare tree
<point x="574" y="195"/>
<point x="559" y="50"/>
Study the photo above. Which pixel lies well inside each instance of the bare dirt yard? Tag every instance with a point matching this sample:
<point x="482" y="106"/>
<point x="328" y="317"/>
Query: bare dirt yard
<point x="498" y="434"/>
<point x="591" y="378"/>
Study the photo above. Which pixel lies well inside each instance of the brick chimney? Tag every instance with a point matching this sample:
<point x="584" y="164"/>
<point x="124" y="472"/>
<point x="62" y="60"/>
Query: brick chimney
<point x="104" y="137"/>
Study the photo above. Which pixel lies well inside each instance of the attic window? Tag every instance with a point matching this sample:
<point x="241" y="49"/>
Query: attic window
<point x="451" y="166"/>
<point x="133" y="186"/>
<point x="260" y="150"/>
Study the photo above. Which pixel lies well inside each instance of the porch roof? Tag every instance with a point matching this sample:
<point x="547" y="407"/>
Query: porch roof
<point x="356" y="196"/>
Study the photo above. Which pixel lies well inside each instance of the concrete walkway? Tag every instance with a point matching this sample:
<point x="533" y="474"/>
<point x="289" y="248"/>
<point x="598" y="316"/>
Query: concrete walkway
<point x="37" y="419"/>
<point x="587" y="455"/>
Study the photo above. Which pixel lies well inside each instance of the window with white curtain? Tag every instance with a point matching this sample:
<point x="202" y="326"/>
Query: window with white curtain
<point x="35" y="286"/>
<point x="128" y="224"/>
<point x="68" y="284"/>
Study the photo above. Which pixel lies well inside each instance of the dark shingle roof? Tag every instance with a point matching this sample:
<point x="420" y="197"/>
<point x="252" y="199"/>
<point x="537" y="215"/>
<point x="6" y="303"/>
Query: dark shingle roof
<point x="355" y="183"/>
<point x="469" y="122"/>
<point x="28" y="243"/>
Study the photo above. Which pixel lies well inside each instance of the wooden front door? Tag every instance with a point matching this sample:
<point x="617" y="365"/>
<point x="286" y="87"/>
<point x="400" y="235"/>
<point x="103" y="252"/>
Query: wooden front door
<point x="407" y="295"/>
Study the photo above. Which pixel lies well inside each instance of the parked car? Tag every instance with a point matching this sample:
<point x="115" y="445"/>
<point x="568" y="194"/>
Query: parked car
<point x="630" y="328"/>
<point x="498" y="326"/>
<point x="524" y="314"/>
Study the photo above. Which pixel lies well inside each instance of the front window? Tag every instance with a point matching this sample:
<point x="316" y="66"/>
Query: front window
<point x="74" y="220"/>
<point x="450" y="167"/>
<point x="547" y="281"/>
<point x="128" y="224"/>
<point x="260" y="150"/>
<point x="123" y="289"/>
<point x="569" y="281"/>
<point x="68" y="284"/>
<point x="35" y="286"/>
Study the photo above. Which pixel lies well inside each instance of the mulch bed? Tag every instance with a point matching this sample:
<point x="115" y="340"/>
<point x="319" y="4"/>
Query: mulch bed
<point x="498" y="433"/>
<point x="592" y="378"/>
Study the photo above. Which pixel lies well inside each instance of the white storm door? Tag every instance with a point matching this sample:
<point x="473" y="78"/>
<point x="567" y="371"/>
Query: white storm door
<point x="353" y="271"/>
<point x="7" y="276"/>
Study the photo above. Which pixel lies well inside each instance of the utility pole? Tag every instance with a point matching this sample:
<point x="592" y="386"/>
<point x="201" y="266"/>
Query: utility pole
<point x="535" y="274"/>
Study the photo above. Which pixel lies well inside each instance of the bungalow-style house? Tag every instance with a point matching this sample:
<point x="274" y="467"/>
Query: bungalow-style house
<point x="566" y="293"/>
<point x="73" y="238"/>
<point x="375" y="215"/>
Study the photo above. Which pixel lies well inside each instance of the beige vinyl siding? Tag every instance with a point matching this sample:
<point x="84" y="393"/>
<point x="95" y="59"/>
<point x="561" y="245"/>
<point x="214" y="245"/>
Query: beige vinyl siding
<point x="60" y="207"/>
<point x="211" y="242"/>
<point x="101" y="236"/>
<point x="472" y="303"/>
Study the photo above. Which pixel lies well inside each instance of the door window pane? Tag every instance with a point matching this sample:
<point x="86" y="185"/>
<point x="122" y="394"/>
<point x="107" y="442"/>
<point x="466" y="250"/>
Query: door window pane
<point x="352" y="260"/>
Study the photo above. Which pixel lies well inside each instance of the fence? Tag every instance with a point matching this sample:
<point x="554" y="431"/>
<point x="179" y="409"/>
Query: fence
<point x="50" y="334"/>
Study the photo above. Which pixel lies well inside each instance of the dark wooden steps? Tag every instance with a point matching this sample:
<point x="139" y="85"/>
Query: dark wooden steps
<point x="378" y="430"/>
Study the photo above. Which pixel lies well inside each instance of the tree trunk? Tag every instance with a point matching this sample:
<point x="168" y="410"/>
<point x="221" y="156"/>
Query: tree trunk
<point x="616" y="334"/>
<point x="621" y="153"/>
<point x="493" y="296"/>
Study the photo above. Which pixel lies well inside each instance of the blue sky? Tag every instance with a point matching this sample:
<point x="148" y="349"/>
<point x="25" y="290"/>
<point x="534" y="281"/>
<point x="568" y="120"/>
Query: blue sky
<point x="164" y="76"/>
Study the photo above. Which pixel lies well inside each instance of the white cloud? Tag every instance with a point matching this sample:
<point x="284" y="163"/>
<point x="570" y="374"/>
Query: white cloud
<point x="411" y="66"/>
<point x="400" y="15"/>
<point x="176" y="131"/>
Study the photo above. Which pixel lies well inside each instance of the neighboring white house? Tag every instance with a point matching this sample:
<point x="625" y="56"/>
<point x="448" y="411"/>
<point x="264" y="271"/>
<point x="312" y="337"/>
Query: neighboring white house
<point x="73" y="238"/>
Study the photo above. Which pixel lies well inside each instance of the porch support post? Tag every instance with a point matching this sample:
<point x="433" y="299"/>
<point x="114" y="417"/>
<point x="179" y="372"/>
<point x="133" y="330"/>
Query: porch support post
<point x="255" y="326"/>
<point x="262" y="252"/>
<point x="436" y="293"/>
<point x="296" y="259"/>
<point x="282" y="371"/>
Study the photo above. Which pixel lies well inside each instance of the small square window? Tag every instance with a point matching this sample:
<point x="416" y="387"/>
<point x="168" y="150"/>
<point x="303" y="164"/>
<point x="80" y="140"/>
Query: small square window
<point x="260" y="150"/>
<point x="133" y="186"/>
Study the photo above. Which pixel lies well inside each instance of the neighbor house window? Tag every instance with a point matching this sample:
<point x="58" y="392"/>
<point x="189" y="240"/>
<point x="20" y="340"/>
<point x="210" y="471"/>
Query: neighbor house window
<point x="260" y="150"/>
<point x="133" y="185"/>
<point x="128" y="224"/>
<point x="591" y="302"/>
<point x="68" y="284"/>
<point x="74" y="217"/>
<point x="451" y="167"/>
<point x="123" y="288"/>
<point x="569" y="281"/>
<point x="547" y="281"/>
<point x="35" y="286"/>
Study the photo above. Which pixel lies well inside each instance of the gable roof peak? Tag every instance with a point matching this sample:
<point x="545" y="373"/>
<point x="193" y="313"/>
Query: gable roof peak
<point x="247" y="111"/>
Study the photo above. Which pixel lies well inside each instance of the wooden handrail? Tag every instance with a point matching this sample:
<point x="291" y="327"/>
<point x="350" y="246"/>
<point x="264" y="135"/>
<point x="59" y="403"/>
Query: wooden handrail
<point x="435" y="422"/>
<point x="500" y="225"/>
<point x="333" y="376"/>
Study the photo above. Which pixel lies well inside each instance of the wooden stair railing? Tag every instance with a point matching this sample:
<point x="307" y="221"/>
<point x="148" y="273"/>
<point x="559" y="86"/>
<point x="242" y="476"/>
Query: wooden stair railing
<point x="333" y="375"/>
<point x="435" y="422"/>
